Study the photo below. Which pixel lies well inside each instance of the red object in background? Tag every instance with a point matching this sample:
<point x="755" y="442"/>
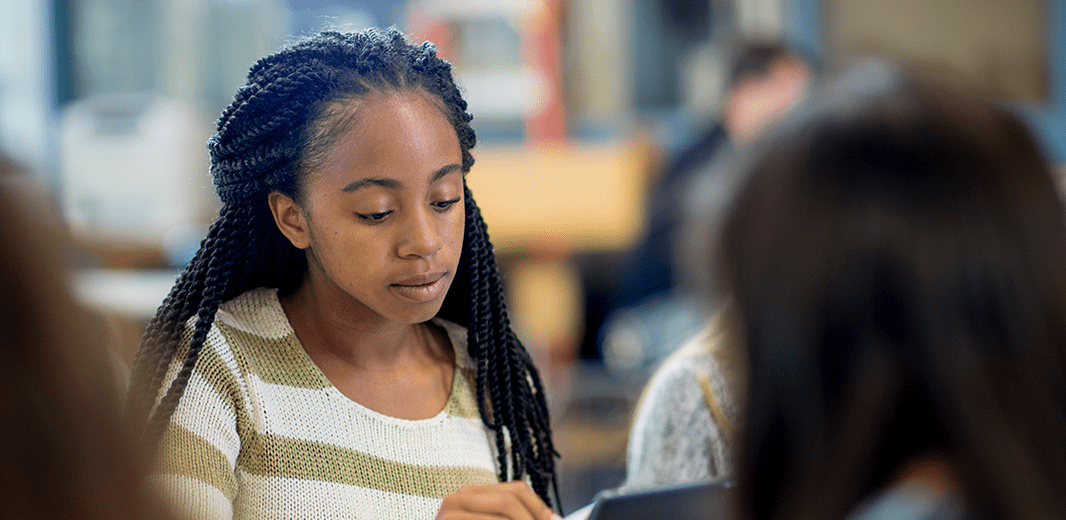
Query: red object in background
<point x="542" y="52"/>
<point x="426" y="27"/>
<point x="540" y="27"/>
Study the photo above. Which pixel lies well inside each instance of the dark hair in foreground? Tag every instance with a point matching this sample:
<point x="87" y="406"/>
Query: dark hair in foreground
<point x="898" y="260"/>
<point x="63" y="447"/>
<point x="281" y="125"/>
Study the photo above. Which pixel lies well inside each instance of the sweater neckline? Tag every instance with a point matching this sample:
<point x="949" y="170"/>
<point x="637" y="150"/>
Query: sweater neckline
<point x="453" y="331"/>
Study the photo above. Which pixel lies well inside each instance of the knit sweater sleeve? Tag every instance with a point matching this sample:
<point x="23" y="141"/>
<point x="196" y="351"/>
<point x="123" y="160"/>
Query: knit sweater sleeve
<point x="196" y="462"/>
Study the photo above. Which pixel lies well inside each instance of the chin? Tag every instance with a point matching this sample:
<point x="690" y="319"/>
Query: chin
<point x="422" y="318"/>
<point x="423" y="313"/>
<point x="412" y="312"/>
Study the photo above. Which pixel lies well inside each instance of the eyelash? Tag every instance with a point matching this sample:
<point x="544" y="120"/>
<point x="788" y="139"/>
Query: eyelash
<point x="374" y="218"/>
<point x="446" y="204"/>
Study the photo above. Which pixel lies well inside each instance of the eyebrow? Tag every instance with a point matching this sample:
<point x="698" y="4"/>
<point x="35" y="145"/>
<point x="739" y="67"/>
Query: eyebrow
<point x="393" y="184"/>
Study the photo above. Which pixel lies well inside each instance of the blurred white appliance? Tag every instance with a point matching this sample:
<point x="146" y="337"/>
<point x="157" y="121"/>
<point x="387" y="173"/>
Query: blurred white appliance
<point x="134" y="168"/>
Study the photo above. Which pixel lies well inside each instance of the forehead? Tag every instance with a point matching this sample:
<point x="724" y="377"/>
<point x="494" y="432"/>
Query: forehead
<point x="389" y="134"/>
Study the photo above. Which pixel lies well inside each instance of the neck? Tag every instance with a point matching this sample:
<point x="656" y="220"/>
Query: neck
<point x="343" y="332"/>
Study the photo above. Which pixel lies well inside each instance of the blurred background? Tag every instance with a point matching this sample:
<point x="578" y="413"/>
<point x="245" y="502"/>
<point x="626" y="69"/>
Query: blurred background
<point x="579" y="106"/>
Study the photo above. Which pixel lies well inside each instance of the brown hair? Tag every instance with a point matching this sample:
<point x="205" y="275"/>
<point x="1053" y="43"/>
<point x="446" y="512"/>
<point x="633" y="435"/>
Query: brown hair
<point x="63" y="444"/>
<point x="898" y="261"/>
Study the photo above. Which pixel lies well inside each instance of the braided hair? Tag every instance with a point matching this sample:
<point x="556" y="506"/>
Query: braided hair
<point x="282" y="124"/>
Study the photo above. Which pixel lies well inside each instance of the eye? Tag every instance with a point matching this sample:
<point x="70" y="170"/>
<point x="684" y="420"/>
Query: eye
<point x="374" y="217"/>
<point x="444" y="205"/>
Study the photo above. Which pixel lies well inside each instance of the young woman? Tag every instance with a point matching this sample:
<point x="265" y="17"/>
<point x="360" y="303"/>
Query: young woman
<point x="898" y="262"/>
<point x="339" y="347"/>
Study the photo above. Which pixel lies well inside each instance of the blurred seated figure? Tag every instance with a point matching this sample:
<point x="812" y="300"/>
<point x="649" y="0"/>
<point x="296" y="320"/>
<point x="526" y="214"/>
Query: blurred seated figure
<point x="63" y="446"/>
<point x="683" y="426"/>
<point x="897" y="260"/>
<point x="656" y="306"/>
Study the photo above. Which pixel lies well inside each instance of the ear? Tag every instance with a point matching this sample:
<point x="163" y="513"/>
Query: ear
<point x="290" y="219"/>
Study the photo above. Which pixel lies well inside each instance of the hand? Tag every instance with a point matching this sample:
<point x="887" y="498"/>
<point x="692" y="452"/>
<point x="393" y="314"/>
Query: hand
<point x="510" y="500"/>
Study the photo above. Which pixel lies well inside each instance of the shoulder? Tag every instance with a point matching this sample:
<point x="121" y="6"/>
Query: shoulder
<point x="696" y="382"/>
<point x="249" y="327"/>
<point x="257" y="311"/>
<point x="710" y="356"/>
<point x="457" y="335"/>
<point x="674" y="437"/>
<point x="675" y="385"/>
<point x="683" y="425"/>
<point x="697" y="357"/>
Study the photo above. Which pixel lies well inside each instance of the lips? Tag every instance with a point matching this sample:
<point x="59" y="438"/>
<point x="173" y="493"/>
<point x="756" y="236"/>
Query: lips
<point x="421" y="288"/>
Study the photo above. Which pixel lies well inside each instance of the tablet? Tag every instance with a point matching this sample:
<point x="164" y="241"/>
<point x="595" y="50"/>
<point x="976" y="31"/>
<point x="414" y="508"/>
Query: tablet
<point x="703" y="501"/>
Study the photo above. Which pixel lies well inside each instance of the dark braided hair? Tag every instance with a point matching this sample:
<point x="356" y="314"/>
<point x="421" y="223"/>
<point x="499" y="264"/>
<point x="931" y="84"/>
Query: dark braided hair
<point x="282" y="124"/>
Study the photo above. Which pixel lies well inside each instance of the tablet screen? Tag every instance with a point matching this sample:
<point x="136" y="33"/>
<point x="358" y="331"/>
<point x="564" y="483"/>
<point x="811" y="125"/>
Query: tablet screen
<point x="703" y="501"/>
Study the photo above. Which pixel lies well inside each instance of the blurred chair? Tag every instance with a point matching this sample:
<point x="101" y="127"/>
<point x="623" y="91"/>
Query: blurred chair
<point x="134" y="183"/>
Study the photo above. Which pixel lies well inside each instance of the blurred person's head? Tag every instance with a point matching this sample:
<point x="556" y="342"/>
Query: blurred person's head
<point x="766" y="80"/>
<point x="898" y="261"/>
<point x="64" y="448"/>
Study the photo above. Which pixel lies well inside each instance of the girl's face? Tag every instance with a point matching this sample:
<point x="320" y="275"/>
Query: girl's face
<point x="382" y="220"/>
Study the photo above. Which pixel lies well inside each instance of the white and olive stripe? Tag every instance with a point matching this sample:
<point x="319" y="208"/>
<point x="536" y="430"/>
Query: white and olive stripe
<point x="261" y="433"/>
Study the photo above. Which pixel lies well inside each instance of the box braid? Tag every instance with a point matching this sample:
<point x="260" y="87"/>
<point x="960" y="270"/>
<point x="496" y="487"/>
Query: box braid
<point x="282" y="124"/>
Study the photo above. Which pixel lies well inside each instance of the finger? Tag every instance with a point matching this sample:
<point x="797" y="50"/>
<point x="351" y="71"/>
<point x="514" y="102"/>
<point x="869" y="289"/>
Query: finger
<point x="498" y="501"/>
<point x="531" y="501"/>
<point x="514" y="500"/>
<point x="491" y="501"/>
<point x="464" y="504"/>
<point x="467" y="515"/>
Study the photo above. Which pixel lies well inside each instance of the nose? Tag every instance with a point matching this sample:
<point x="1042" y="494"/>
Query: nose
<point x="420" y="236"/>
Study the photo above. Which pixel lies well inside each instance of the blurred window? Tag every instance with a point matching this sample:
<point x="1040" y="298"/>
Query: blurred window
<point x="995" y="48"/>
<point x="665" y="31"/>
<point x="486" y="43"/>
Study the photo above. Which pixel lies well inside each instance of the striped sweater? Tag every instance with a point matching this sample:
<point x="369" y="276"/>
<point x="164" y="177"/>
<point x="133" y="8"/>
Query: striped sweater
<point x="261" y="433"/>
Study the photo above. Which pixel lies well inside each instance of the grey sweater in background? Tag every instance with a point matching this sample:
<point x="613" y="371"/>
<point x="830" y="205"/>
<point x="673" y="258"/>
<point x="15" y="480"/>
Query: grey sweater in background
<point x="677" y="437"/>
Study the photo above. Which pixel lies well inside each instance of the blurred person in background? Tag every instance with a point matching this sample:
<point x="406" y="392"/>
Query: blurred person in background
<point x="657" y="305"/>
<point x="339" y="347"/>
<point x="65" y="449"/>
<point x="683" y="427"/>
<point x="897" y="260"/>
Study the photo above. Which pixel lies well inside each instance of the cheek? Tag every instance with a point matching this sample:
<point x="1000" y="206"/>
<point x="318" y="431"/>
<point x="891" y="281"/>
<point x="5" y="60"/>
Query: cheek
<point x="456" y="227"/>
<point x="348" y="246"/>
